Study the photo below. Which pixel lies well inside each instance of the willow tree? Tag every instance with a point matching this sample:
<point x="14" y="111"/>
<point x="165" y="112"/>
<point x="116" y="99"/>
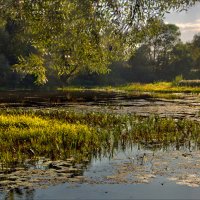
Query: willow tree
<point x="69" y="36"/>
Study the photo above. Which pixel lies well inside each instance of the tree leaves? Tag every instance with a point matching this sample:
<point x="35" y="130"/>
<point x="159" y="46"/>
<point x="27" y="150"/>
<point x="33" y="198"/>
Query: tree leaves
<point x="33" y="65"/>
<point x="73" y="35"/>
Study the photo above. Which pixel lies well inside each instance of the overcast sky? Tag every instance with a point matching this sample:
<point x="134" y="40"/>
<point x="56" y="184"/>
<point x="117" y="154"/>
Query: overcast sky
<point x="188" y="22"/>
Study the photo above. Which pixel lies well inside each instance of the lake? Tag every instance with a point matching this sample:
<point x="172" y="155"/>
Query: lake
<point x="130" y="171"/>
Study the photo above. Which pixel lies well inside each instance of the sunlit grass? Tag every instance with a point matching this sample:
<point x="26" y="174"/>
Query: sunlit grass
<point x="92" y="88"/>
<point x="23" y="136"/>
<point x="157" y="87"/>
<point x="161" y="95"/>
<point x="167" y="87"/>
<point x="60" y="134"/>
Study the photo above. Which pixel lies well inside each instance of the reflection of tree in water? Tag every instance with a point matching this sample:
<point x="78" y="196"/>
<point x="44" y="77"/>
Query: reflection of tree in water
<point x="16" y="193"/>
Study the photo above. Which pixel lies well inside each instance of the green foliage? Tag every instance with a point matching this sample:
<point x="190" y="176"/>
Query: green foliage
<point x="73" y="36"/>
<point x="11" y="47"/>
<point x="195" y="53"/>
<point x="177" y="80"/>
<point x="161" y="58"/>
<point x="33" y="65"/>
<point x="161" y="44"/>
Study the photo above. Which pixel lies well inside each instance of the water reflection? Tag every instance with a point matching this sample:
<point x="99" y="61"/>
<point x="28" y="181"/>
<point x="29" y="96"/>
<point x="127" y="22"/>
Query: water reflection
<point x="17" y="193"/>
<point x="127" y="163"/>
<point x="186" y="105"/>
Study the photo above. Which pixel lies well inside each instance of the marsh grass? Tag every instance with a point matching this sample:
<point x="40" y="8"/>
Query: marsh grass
<point x="160" y="87"/>
<point x="157" y="95"/>
<point x="165" y="90"/>
<point x="23" y="136"/>
<point x="60" y="134"/>
<point x="71" y="88"/>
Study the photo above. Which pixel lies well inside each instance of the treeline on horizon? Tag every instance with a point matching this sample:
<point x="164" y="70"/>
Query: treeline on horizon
<point x="160" y="57"/>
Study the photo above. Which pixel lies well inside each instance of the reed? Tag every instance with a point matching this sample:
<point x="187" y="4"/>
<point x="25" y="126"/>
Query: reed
<point x="60" y="134"/>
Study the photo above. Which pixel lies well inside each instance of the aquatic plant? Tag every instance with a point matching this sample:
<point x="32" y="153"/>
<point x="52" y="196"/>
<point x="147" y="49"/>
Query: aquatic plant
<point x="61" y="133"/>
<point x="24" y="136"/>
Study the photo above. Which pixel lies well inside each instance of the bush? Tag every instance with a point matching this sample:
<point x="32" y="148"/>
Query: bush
<point x="177" y="80"/>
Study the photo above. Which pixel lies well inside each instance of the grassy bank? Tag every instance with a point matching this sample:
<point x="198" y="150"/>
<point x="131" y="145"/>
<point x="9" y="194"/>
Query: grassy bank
<point x="157" y="87"/>
<point x="24" y="136"/>
<point x="61" y="134"/>
<point x="160" y="87"/>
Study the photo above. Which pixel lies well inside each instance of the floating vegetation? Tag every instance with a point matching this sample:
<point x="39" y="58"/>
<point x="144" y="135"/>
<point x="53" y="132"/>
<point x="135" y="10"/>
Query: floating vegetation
<point x="44" y="172"/>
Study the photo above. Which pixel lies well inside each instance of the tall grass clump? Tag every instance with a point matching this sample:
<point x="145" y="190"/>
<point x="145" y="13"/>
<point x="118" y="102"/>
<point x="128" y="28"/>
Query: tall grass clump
<point x="23" y="136"/>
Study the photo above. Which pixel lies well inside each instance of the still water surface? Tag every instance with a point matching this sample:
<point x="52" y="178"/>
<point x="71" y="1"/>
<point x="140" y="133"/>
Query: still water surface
<point x="126" y="175"/>
<point x="184" y="106"/>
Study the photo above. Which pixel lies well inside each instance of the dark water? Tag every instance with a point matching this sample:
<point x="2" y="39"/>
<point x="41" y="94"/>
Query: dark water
<point x="68" y="98"/>
<point x="184" y="106"/>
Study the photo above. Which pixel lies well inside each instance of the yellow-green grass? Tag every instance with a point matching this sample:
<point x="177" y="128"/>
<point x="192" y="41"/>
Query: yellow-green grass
<point x="23" y="136"/>
<point x="157" y="87"/>
<point x="160" y="87"/>
<point x="95" y="88"/>
<point x="60" y="134"/>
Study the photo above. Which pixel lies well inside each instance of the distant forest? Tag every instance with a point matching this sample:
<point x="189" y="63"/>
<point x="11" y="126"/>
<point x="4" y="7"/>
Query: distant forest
<point x="161" y="57"/>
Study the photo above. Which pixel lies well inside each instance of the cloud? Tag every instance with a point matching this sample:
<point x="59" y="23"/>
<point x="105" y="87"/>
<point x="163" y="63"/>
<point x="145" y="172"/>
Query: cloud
<point x="190" y="27"/>
<point x="188" y="22"/>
